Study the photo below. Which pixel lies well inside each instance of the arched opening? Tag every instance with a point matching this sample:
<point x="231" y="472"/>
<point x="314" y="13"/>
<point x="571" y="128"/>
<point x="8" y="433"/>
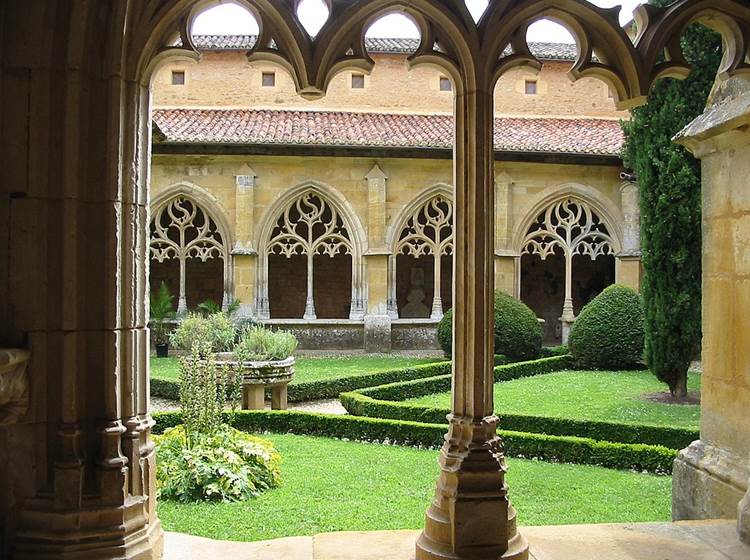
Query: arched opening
<point x="423" y="264"/>
<point x="188" y="252"/>
<point x="567" y="258"/>
<point x="310" y="261"/>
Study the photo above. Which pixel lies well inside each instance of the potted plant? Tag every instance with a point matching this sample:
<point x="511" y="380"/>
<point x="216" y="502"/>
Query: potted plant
<point x="161" y="312"/>
<point x="263" y="359"/>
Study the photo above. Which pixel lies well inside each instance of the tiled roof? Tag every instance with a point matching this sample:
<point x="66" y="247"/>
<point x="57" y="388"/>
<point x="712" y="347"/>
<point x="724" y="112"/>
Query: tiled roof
<point x="377" y="130"/>
<point x="543" y="51"/>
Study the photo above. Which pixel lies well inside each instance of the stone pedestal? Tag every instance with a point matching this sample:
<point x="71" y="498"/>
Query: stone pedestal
<point x="711" y="475"/>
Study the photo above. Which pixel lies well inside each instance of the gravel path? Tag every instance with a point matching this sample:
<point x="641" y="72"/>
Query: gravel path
<point x="330" y="406"/>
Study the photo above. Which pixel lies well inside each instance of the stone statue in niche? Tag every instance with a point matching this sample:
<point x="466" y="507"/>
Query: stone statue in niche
<point x="415" y="307"/>
<point x="14" y="384"/>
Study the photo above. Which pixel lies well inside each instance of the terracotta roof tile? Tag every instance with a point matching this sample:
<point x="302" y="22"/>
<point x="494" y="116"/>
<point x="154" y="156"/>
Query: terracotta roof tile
<point x="543" y="51"/>
<point x="336" y="128"/>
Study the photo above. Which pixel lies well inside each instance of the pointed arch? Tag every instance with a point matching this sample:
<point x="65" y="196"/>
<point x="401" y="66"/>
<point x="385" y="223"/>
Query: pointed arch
<point x="610" y="214"/>
<point x="186" y="223"/>
<point x="423" y="228"/>
<point x="311" y="219"/>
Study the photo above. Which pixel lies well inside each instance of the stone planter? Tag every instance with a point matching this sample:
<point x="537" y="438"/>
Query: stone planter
<point x="162" y="350"/>
<point x="257" y="376"/>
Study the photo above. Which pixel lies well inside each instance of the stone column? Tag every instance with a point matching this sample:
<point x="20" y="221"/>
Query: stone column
<point x="377" y="319"/>
<point x="244" y="253"/>
<point x="711" y="475"/>
<point x="82" y="477"/>
<point x="628" y="263"/>
<point x="505" y="256"/>
<point x="470" y="516"/>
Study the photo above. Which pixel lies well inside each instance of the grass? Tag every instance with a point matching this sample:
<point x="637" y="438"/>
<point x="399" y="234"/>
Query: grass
<point x="332" y="485"/>
<point x="588" y="395"/>
<point x="314" y="369"/>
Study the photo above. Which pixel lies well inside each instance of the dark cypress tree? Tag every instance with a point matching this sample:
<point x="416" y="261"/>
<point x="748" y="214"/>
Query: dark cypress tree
<point x="670" y="201"/>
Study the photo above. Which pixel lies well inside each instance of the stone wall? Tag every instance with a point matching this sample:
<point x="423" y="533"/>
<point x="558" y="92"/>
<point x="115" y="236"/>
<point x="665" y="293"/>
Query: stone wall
<point x="711" y="475"/>
<point x="227" y="80"/>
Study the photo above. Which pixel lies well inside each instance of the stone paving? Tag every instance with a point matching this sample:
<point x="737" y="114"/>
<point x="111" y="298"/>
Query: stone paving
<point x="690" y="540"/>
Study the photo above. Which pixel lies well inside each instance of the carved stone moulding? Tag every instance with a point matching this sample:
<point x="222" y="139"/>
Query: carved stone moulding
<point x="14" y="384"/>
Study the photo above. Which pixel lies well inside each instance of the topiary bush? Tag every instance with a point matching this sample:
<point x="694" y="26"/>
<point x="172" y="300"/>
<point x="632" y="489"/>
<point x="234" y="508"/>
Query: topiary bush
<point x="609" y="331"/>
<point x="518" y="334"/>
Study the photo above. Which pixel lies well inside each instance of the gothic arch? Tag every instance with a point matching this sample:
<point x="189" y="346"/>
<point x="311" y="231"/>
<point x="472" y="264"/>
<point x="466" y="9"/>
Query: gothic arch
<point x="339" y="209"/>
<point x="610" y="214"/>
<point x="207" y="210"/>
<point x="568" y="239"/>
<point x="413" y="244"/>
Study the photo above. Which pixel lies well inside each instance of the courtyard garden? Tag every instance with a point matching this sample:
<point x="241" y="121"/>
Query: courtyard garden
<point x="586" y="441"/>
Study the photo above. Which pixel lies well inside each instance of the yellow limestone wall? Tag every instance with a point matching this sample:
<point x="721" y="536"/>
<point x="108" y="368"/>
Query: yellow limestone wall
<point x="520" y="188"/>
<point x="227" y="79"/>
<point x="711" y="475"/>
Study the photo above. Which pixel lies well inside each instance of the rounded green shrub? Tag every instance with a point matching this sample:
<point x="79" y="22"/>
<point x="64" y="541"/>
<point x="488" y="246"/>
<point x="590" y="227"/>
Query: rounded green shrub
<point x="224" y="465"/>
<point x="518" y="334"/>
<point x="609" y="331"/>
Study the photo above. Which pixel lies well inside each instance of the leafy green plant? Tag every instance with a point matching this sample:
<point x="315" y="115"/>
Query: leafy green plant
<point x="609" y="331"/>
<point x="216" y="333"/>
<point x="202" y="391"/>
<point x="518" y="334"/>
<point x="259" y="344"/>
<point x="162" y="310"/>
<point x="225" y="465"/>
<point x="670" y="200"/>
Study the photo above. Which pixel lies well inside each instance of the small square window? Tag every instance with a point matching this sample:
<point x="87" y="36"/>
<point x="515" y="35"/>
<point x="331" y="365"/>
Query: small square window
<point x="358" y="81"/>
<point x="531" y="87"/>
<point x="178" y="77"/>
<point x="269" y="79"/>
<point x="445" y="84"/>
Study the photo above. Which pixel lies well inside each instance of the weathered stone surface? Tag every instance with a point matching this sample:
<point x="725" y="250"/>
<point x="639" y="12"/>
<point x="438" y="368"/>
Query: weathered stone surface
<point x="377" y="333"/>
<point x="14" y="384"/>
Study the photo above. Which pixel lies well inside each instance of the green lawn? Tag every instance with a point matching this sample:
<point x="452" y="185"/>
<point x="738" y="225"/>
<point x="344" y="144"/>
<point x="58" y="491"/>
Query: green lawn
<point x="332" y="485"/>
<point x="588" y="395"/>
<point x="314" y="369"/>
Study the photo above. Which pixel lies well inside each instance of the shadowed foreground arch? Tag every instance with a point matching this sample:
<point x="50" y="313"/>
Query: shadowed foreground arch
<point x="74" y="232"/>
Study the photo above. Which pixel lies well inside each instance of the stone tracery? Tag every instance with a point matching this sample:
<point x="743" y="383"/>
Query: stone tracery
<point x="182" y="230"/>
<point x="572" y="226"/>
<point x="429" y="231"/>
<point x="310" y="226"/>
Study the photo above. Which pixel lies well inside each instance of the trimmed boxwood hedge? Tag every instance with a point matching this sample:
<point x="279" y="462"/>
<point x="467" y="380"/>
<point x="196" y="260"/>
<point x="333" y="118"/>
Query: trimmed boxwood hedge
<point x="401" y="391"/>
<point x="358" y="404"/>
<point x="331" y="388"/>
<point x="567" y="449"/>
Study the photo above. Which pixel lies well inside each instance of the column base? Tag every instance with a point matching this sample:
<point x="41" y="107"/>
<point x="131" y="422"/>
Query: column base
<point x="470" y="517"/>
<point x="430" y="549"/>
<point x="121" y="533"/>
<point x="708" y="483"/>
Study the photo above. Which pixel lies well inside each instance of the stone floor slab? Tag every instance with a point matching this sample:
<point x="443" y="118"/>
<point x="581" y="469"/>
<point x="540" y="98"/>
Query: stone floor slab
<point x="689" y="540"/>
<point x="187" y="547"/>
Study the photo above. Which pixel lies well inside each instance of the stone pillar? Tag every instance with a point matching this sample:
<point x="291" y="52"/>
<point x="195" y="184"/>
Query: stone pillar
<point x="244" y="254"/>
<point x="470" y="515"/>
<point x="377" y="319"/>
<point x="711" y="475"/>
<point x="505" y="256"/>
<point x="82" y="477"/>
<point x="628" y="271"/>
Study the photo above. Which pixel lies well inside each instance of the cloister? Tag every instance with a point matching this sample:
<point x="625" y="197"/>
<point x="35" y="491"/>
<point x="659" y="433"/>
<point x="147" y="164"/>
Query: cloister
<point x="77" y="473"/>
